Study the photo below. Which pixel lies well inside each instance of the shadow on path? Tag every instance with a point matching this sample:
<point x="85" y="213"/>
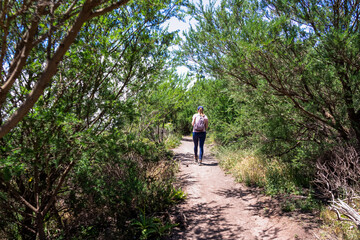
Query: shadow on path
<point x="210" y="216"/>
<point x="188" y="159"/>
<point x="271" y="206"/>
<point x="187" y="139"/>
<point x="236" y="193"/>
<point x="184" y="158"/>
<point x="217" y="208"/>
<point x="217" y="226"/>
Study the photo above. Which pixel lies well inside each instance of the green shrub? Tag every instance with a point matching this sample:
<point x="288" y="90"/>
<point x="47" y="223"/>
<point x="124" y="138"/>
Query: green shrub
<point x="151" y="227"/>
<point x="172" y="141"/>
<point x="107" y="189"/>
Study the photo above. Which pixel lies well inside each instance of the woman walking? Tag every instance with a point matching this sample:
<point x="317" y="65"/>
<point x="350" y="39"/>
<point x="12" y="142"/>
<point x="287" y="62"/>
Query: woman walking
<point x="200" y="123"/>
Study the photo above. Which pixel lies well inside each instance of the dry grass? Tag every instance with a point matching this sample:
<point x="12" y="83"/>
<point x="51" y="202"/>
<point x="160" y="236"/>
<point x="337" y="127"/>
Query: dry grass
<point x="249" y="169"/>
<point x="252" y="169"/>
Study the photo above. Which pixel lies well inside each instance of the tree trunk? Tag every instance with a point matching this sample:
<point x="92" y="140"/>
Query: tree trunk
<point x="25" y="232"/>
<point x="40" y="233"/>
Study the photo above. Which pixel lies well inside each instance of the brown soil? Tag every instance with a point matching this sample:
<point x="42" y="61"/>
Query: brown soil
<point x="219" y="208"/>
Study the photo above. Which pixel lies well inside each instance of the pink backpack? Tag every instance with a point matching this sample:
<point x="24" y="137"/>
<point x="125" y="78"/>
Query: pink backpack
<point x="199" y="123"/>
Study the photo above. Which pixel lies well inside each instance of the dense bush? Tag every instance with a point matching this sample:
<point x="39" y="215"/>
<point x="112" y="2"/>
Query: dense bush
<point x="124" y="181"/>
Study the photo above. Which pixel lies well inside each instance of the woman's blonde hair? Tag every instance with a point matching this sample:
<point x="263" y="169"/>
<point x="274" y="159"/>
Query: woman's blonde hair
<point x="201" y="111"/>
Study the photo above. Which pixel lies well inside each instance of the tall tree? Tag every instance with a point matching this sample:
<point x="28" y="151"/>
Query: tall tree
<point x="303" y="51"/>
<point x="110" y="61"/>
<point x="28" y="25"/>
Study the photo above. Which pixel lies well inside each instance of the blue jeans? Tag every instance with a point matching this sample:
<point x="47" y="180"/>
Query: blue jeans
<point x="199" y="136"/>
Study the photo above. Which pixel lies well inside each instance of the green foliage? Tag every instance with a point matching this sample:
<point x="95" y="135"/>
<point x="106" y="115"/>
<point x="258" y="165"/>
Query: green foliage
<point x="305" y="205"/>
<point x="160" y="108"/>
<point x="119" y="181"/>
<point x="77" y="165"/>
<point x="173" y="141"/>
<point x="284" y="76"/>
<point x="277" y="77"/>
<point x="280" y="87"/>
<point x="176" y="195"/>
<point x="151" y="227"/>
<point x="288" y="206"/>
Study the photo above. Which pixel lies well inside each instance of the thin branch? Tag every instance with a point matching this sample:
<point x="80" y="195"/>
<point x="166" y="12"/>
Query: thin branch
<point x="20" y="60"/>
<point x="45" y="78"/>
<point x="102" y="11"/>
<point x="59" y="185"/>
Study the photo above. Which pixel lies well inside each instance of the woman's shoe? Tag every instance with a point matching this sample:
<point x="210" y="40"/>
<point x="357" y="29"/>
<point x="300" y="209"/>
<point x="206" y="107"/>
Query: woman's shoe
<point x="196" y="159"/>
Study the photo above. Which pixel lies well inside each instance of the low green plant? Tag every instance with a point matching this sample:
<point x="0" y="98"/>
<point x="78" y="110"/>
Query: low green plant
<point x="151" y="227"/>
<point x="177" y="195"/>
<point x="288" y="206"/>
<point x="309" y="204"/>
<point x="172" y="141"/>
<point x="88" y="231"/>
<point x="278" y="178"/>
<point x="294" y="203"/>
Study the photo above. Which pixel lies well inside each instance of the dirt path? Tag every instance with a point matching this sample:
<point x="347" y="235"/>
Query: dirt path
<point x="219" y="208"/>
